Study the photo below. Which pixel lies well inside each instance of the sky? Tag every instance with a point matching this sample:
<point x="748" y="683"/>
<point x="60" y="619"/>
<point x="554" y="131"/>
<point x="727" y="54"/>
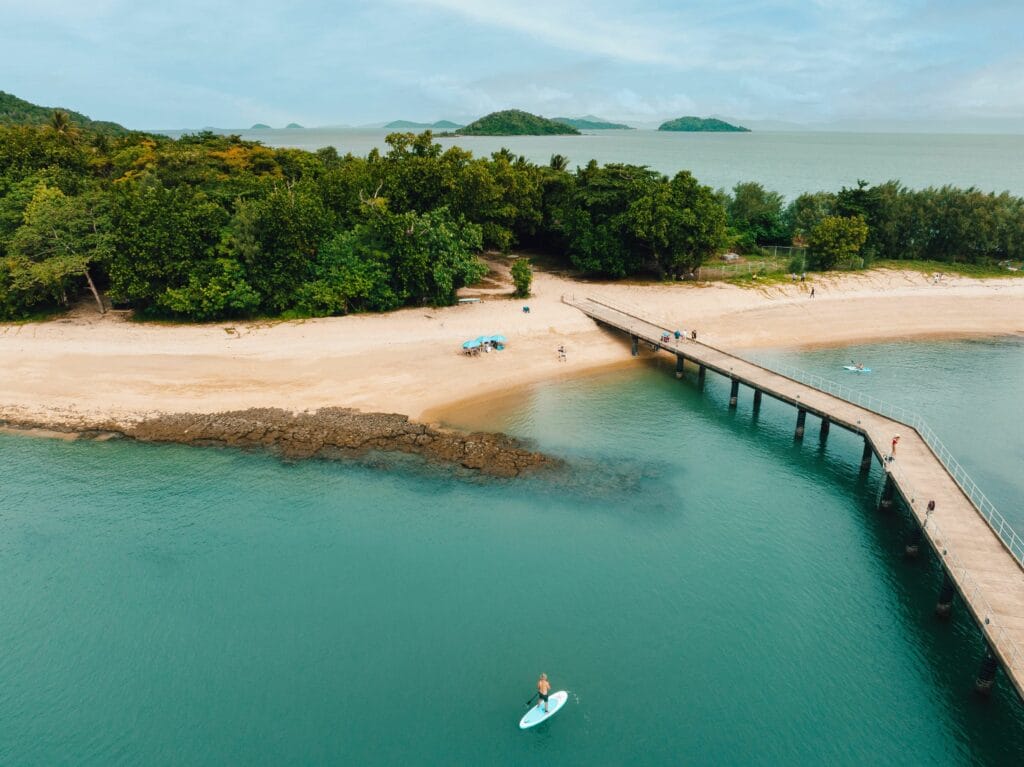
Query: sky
<point x="190" y="64"/>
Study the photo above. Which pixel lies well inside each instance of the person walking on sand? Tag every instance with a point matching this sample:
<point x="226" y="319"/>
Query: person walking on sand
<point x="812" y="291"/>
<point x="543" y="688"/>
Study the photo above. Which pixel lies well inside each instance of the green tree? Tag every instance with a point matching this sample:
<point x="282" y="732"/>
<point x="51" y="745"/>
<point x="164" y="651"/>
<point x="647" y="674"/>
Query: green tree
<point x="679" y="221"/>
<point x="522" y="277"/>
<point x="757" y="216"/>
<point x="289" y="223"/>
<point x="58" y="241"/>
<point x="836" y="241"/>
<point x="216" y="289"/>
<point x="559" y="162"/>
<point x="161" y="237"/>
<point x="807" y="211"/>
<point x="594" y="218"/>
<point x="61" y="125"/>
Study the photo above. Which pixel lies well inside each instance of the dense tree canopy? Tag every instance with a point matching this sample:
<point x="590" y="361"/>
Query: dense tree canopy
<point x="210" y="226"/>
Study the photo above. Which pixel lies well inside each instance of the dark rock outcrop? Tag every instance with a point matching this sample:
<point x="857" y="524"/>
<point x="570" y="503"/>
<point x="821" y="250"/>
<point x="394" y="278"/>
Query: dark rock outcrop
<point x="325" y="433"/>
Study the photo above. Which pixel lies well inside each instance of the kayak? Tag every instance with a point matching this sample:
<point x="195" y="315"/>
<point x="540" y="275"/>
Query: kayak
<point x="536" y="715"/>
<point x="855" y="369"/>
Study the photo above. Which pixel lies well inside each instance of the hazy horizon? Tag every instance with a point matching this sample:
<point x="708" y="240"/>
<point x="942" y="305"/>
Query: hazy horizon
<point x="908" y="65"/>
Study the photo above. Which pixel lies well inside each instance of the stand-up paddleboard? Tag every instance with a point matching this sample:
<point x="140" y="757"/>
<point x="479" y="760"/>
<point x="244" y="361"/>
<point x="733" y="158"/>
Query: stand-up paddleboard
<point x="537" y="714"/>
<point x="855" y="369"/>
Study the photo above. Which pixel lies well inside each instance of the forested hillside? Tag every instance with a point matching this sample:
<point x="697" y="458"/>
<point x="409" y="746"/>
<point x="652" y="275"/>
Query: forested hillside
<point x="15" y="111"/>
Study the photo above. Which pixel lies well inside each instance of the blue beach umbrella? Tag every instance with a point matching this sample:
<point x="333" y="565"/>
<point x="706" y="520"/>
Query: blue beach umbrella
<point x="472" y="344"/>
<point x="498" y="339"/>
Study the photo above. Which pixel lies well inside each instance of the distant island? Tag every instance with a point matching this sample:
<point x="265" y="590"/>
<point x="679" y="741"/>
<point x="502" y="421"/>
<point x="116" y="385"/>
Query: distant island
<point x="589" y="122"/>
<point x="410" y="125"/>
<point x="515" y="122"/>
<point x="293" y="126"/>
<point x="260" y="126"/>
<point x="15" y="111"/>
<point x="705" y="124"/>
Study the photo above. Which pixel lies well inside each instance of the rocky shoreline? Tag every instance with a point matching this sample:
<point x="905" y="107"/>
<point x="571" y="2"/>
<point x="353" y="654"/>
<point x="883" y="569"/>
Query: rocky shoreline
<point x="325" y="433"/>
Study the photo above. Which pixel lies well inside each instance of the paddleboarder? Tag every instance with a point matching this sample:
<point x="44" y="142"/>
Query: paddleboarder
<point x="543" y="688"/>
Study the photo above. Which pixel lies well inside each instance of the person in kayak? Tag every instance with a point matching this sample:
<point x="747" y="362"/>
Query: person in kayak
<point x="543" y="688"/>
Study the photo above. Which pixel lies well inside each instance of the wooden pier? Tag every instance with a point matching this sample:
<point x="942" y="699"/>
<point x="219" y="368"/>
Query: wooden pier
<point x="982" y="557"/>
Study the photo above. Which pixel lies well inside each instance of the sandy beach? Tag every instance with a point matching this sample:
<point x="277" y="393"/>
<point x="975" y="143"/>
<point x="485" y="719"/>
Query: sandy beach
<point x="86" y="368"/>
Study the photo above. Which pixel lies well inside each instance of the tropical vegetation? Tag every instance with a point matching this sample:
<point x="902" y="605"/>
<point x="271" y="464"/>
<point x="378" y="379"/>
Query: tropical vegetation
<point x="209" y="226"/>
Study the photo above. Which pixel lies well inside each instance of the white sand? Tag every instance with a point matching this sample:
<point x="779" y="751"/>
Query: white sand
<point x="91" y="368"/>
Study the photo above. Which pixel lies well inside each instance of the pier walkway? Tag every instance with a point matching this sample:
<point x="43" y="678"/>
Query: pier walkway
<point x="982" y="556"/>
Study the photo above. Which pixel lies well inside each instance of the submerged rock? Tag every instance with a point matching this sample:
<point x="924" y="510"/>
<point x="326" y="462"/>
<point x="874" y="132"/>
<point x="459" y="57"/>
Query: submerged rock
<point x="326" y="433"/>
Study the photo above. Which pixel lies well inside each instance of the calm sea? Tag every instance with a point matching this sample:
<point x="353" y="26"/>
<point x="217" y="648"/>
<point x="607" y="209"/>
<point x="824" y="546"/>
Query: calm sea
<point x="708" y="590"/>
<point x="789" y="163"/>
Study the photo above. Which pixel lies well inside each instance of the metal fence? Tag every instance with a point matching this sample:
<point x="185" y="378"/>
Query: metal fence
<point x="707" y="273"/>
<point x="1013" y="542"/>
<point x="1013" y="656"/>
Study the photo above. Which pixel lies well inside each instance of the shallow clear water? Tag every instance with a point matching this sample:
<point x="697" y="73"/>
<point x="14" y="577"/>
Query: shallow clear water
<point x="789" y="163"/>
<point x="969" y="392"/>
<point x="708" y="590"/>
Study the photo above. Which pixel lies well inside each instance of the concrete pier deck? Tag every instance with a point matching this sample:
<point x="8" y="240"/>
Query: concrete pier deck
<point x="981" y="554"/>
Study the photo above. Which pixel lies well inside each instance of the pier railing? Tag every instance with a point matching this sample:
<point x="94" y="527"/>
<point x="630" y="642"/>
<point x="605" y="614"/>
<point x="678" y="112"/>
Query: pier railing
<point x="970" y="589"/>
<point x="1013" y="542"/>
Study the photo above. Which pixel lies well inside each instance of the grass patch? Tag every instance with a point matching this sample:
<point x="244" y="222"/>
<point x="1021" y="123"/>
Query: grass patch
<point x="942" y="267"/>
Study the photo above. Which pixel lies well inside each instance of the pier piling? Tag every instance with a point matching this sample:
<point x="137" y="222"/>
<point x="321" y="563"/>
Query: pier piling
<point x="944" y="606"/>
<point x="913" y="545"/>
<point x="986" y="673"/>
<point x="971" y="538"/>
<point x="866" y="456"/>
<point x="888" y="492"/>
<point x="679" y="366"/>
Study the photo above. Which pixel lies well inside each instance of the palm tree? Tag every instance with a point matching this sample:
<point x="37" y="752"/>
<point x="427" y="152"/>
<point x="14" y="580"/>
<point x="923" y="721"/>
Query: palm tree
<point x="559" y="162"/>
<point x="61" y="124"/>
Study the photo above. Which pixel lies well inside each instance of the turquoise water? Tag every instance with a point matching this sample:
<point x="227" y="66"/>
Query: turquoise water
<point x="709" y="592"/>
<point x="789" y="163"/>
<point x="969" y="392"/>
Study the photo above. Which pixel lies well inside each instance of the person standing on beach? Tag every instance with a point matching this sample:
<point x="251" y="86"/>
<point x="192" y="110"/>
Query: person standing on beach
<point x="895" y="441"/>
<point x="812" y="291"/>
<point x="543" y="688"/>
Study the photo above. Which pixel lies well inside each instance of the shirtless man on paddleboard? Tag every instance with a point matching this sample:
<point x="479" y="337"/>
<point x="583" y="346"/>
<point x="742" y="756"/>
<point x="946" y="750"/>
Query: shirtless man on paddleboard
<point x="543" y="688"/>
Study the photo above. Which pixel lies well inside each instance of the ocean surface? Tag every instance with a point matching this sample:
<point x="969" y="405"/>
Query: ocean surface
<point x="789" y="163"/>
<point x="708" y="590"/>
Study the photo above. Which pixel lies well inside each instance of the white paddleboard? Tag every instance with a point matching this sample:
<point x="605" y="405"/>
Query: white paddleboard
<point x="536" y="715"/>
<point x="853" y="369"/>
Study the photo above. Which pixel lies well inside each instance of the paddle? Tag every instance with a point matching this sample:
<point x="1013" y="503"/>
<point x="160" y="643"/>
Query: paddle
<point x="527" y="704"/>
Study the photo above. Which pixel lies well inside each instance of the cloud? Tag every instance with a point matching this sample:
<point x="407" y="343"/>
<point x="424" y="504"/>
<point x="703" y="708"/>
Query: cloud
<point x="332" y="61"/>
<point x="581" y="28"/>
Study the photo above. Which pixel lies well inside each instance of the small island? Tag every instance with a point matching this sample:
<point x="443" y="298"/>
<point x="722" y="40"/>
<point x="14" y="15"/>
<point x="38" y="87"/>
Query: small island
<point x="294" y="126"/>
<point x="515" y="122"/>
<point x="589" y="122"/>
<point x="260" y="126"/>
<point x="413" y="125"/>
<point x="702" y="124"/>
